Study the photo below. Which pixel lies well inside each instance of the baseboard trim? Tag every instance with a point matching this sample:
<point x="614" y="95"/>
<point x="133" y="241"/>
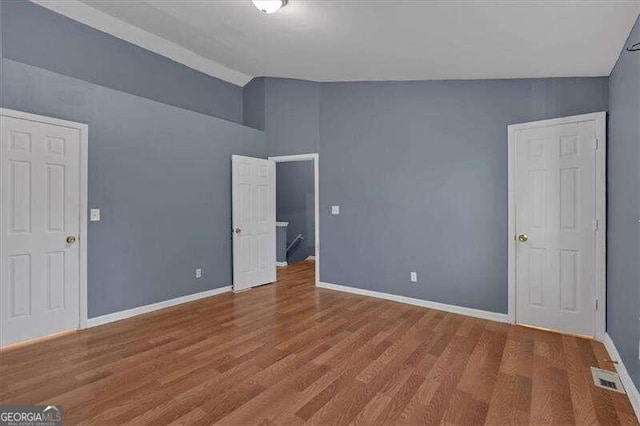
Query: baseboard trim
<point x="117" y="316"/>
<point x="310" y="258"/>
<point x="477" y="313"/>
<point x="281" y="264"/>
<point x="629" y="386"/>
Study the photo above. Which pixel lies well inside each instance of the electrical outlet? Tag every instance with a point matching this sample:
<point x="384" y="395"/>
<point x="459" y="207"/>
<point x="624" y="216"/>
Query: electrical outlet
<point x="95" y="215"/>
<point x="414" y="277"/>
<point x="335" y="210"/>
<point x="198" y="273"/>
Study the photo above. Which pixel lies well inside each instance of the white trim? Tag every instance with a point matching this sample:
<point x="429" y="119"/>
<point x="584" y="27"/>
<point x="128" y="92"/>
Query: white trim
<point x="461" y="310"/>
<point x="601" y="212"/>
<point x="104" y="22"/>
<point x="601" y="217"/>
<point x="629" y="386"/>
<point x="84" y="168"/>
<point x="282" y="264"/>
<point x="297" y="157"/>
<point x="282" y="224"/>
<point x="316" y="189"/>
<point x="117" y="316"/>
<point x="310" y="258"/>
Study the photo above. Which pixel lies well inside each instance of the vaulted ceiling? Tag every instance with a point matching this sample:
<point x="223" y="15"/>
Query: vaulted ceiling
<point x="389" y="40"/>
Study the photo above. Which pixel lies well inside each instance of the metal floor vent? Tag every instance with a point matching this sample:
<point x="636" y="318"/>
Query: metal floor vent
<point x="606" y="379"/>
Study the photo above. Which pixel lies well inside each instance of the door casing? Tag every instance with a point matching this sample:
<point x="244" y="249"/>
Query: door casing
<point x="82" y="237"/>
<point x="601" y="212"/>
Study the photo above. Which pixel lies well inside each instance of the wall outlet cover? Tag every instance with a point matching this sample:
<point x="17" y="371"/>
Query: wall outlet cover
<point x="335" y="209"/>
<point x="198" y="273"/>
<point x="95" y="215"/>
<point x="414" y="277"/>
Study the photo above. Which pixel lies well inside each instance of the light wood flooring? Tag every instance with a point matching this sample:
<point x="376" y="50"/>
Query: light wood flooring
<point x="291" y="353"/>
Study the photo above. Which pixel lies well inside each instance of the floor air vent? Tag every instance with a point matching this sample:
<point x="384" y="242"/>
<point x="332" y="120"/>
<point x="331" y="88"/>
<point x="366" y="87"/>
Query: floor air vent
<point x="606" y="379"/>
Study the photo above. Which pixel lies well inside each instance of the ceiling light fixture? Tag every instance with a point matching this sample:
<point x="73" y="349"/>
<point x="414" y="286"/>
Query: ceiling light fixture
<point x="269" y="6"/>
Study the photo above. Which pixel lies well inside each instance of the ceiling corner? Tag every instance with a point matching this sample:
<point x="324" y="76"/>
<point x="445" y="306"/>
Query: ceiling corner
<point x="99" y="20"/>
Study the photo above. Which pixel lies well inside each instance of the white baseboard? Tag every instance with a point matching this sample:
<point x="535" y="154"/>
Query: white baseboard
<point x="629" y="386"/>
<point x="117" y="316"/>
<point x="281" y="264"/>
<point x="310" y="258"/>
<point x="493" y="316"/>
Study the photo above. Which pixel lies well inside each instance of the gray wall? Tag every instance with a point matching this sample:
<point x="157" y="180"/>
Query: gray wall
<point x="295" y="204"/>
<point x="159" y="173"/>
<point x="253" y="103"/>
<point x="37" y="36"/>
<point x="1" y="31"/>
<point x="419" y="170"/>
<point x="292" y="112"/>
<point x="623" y="243"/>
<point x="161" y="176"/>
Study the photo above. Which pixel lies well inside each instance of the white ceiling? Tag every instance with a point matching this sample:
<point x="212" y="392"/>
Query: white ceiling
<point x="390" y="40"/>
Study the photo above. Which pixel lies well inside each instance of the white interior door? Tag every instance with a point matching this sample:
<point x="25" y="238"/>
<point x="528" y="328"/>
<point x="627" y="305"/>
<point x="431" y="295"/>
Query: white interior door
<point x="555" y="214"/>
<point x="40" y="268"/>
<point x="254" y="221"/>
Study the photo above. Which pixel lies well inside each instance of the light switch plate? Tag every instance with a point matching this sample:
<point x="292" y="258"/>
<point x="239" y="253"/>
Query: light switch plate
<point x="95" y="215"/>
<point x="335" y="209"/>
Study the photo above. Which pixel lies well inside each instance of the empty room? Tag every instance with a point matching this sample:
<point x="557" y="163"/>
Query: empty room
<point x="326" y="212"/>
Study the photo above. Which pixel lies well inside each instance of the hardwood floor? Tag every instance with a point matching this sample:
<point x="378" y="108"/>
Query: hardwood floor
<point x="292" y="353"/>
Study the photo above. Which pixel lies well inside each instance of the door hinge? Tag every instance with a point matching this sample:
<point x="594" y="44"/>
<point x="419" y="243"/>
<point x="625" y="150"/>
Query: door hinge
<point x="595" y="304"/>
<point x="595" y="144"/>
<point x="596" y="225"/>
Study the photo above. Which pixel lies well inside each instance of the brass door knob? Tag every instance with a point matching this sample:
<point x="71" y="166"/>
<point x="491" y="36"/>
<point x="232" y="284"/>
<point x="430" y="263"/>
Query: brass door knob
<point x="237" y="230"/>
<point x="522" y="238"/>
<point x="71" y="239"/>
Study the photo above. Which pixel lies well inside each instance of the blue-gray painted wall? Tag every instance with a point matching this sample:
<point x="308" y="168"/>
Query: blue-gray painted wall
<point x="295" y="204"/>
<point x="623" y="191"/>
<point x="37" y="36"/>
<point x="161" y="176"/>
<point x="253" y="103"/>
<point x="292" y="110"/>
<point x="419" y="170"/>
<point x="159" y="173"/>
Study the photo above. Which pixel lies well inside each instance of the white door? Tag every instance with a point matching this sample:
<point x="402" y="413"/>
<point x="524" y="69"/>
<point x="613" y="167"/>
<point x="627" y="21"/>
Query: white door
<point x="254" y="221"/>
<point x="555" y="222"/>
<point x="39" y="269"/>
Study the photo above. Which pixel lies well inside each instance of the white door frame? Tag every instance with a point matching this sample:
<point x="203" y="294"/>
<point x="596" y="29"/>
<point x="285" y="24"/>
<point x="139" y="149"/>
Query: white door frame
<point x="82" y="237"/>
<point x="316" y="195"/>
<point x="601" y="213"/>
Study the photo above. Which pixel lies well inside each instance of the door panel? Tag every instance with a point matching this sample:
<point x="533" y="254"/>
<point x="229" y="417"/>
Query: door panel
<point x="39" y="270"/>
<point x="555" y="207"/>
<point x="254" y="222"/>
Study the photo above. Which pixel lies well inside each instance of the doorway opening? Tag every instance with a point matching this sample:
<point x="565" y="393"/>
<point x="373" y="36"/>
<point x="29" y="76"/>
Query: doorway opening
<point x="297" y="210"/>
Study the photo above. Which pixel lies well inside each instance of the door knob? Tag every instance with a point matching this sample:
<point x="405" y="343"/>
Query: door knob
<point x="71" y="239"/>
<point x="522" y="238"/>
<point x="237" y="230"/>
